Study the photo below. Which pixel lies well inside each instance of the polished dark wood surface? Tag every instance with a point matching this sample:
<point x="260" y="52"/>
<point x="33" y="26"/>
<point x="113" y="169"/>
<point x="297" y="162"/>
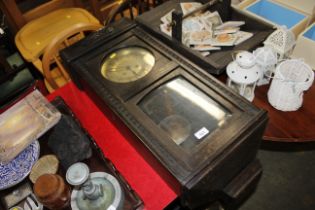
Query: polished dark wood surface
<point x="296" y="126"/>
<point x="283" y="126"/>
<point x="218" y="159"/>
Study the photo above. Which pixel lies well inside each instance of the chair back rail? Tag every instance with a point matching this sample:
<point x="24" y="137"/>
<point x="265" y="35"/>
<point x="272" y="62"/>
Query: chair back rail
<point x="51" y="53"/>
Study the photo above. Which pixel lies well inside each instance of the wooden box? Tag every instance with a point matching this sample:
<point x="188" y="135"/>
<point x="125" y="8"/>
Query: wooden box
<point x="305" y="46"/>
<point x="216" y="62"/>
<point x="294" y="14"/>
<point x="201" y="132"/>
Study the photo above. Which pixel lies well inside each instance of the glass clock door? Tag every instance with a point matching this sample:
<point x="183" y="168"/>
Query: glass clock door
<point x="185" y="113"/>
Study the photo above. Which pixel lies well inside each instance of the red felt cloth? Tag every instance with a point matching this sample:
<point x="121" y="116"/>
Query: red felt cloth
<point x="143" y="178"/>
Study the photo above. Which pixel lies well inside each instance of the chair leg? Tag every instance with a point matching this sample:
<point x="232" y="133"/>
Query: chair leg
<point x="131" y="12"/>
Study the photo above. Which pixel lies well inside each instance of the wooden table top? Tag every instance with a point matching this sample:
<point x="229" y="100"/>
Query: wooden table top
<point x="295" y="126"/>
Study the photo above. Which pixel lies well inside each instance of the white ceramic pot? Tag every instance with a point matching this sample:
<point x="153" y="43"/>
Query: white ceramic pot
<point x="292" y="78"/>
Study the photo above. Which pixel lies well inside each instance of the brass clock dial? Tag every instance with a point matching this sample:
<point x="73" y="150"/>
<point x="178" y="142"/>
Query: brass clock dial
<point x="127" y="64"/>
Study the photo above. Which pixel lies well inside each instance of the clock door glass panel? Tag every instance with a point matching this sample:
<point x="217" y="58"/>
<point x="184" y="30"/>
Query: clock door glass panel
<point x="183" y="112"/>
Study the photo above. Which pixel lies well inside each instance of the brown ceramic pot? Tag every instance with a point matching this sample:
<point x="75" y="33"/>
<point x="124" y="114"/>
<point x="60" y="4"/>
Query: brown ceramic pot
<point x="52" y="192"/>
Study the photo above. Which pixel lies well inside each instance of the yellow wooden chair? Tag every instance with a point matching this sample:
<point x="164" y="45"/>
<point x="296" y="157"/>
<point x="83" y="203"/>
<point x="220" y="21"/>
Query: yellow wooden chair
<point x="55" y="74"/>
<point x="37" y="27"/>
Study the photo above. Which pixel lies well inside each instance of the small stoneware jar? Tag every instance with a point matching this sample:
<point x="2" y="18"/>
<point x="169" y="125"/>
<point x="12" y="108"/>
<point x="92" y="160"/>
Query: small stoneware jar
<point x="52" y="192"/>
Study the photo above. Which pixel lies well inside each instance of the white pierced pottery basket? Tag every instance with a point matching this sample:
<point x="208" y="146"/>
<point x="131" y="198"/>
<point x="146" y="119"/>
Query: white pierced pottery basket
<point x="282" y="41"/>
<point x="292" y="78"/>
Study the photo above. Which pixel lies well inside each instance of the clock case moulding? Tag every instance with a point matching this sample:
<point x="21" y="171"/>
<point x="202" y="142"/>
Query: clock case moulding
<point x="212" y="169"/>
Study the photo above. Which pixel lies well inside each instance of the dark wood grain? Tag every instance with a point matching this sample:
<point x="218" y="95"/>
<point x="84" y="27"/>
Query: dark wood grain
<point x="216" y="62"/>
<point x="203" y="170"/>
<point x="295" y="126"/>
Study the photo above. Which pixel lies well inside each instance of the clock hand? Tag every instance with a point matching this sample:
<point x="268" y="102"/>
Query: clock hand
<point x="134" y="72"/>
<point x="123" y="69"/>
<point x="117" y="69"/>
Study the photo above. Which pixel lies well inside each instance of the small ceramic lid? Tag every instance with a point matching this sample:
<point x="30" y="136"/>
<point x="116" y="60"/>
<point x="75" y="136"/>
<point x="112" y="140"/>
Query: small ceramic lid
<point x="245" y="59"/>
<point x="77" y="174"/>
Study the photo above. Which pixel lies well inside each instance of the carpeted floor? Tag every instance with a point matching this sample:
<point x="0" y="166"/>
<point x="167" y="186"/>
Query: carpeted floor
<point x="288" y="180"/>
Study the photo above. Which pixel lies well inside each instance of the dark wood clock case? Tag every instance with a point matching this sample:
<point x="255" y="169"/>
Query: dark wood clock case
<point x="215" y="154"/>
